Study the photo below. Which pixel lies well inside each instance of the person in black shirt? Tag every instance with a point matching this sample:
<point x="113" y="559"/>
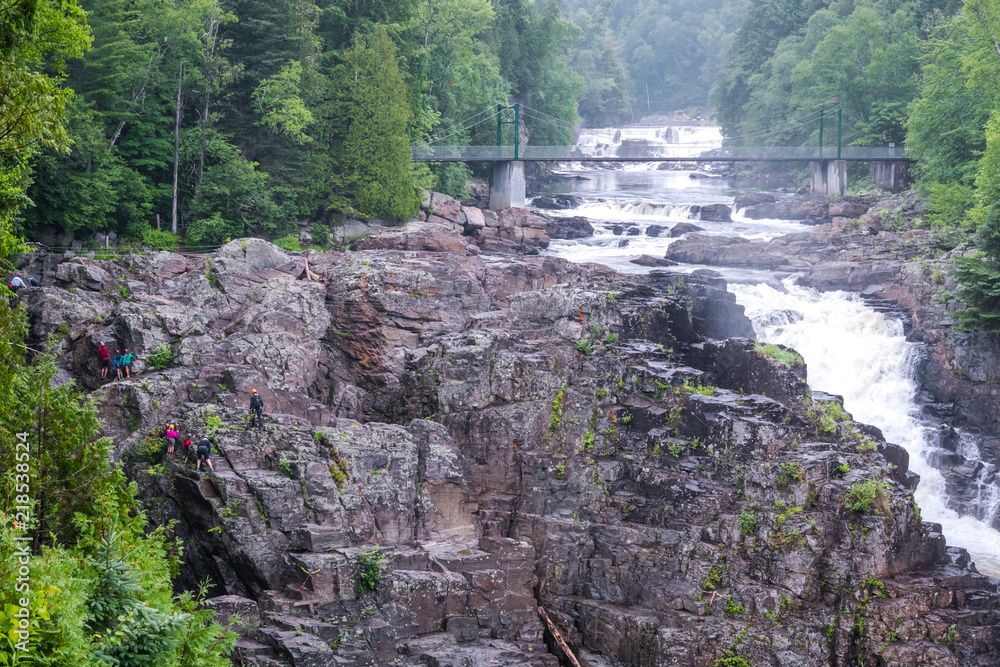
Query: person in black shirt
<point x="204" y="454"/>
<point x="256" y="409"/>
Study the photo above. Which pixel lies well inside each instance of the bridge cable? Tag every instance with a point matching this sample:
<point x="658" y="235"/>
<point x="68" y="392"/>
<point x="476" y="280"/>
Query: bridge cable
<point x="448" y="132"/>
<point x="440" y="137"/>
<point x="437" y="136"/>
<point x="771" y="132"/>
<point x="544" y="116"/>
<point x="562" y="126"/>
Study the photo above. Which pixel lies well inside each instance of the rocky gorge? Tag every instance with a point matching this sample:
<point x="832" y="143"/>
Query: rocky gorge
<point x="460" y="431"/>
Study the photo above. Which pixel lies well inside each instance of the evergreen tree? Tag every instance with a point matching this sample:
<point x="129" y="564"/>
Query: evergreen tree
<point x="597" y="59"/>
<point x="376" y="145"/>
<point x="979" y="273"/>
<point x="101" y="589"/>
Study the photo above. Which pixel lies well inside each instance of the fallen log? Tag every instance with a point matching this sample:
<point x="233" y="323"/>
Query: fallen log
<point x="559" y="640"/>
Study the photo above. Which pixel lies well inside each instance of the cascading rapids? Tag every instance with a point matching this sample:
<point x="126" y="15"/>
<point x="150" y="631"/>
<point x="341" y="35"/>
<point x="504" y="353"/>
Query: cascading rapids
<point x="862" y="355"/>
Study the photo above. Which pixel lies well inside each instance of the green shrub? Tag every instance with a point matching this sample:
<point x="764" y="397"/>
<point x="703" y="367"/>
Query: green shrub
<point x="149" y="450"/>
<point x="789" y="474"/>
<point x="210" y="274"/>
<point x="789" y="358"/>
<point x="713" y="580"/>
<point x="290" y="242"/>
<point x="321" y="236"/>
<point x="950" y="635"/>
<point x="748" y="523"/>
<point x="556" y="421"/>
<point x="370" y="564"/>
<point x="824" y="417"/>
<point x="704" y="390"/>
<point x="864" y="496"/>
<point x="212" y="424"/>
<point x="731" y="659"/>
<point x="161" y="357"/>
<point x="583" y="347"/>
<point x="230" y="511"/>
<point x="338" y="470"/>
<point x="160" y="238"/>
<point x="733" y="608"/>
<point x="611" y="338"/>
<point x="286" y="467"/>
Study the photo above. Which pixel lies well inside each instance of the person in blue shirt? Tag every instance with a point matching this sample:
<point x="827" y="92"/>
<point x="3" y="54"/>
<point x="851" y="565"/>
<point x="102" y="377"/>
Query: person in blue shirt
<point x="118" y="364"/>
<point x="127" y="363"/>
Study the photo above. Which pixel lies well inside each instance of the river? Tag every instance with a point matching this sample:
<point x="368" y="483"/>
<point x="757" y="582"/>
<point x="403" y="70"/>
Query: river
<point x="849" y="348"/>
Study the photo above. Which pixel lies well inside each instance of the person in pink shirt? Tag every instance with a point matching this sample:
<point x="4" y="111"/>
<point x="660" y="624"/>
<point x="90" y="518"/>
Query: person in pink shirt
<point x="171" y="439"/>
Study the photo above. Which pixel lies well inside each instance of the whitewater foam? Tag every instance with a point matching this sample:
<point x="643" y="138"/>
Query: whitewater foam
<point x="862" y="355"/>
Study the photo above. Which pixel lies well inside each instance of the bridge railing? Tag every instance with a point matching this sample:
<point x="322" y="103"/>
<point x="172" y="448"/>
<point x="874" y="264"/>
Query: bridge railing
<point x="653" y="153"/>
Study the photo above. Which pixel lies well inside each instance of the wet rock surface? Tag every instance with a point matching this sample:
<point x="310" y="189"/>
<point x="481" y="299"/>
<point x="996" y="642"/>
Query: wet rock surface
<point x="504" y="432"/>
<point x="905" y="273"/>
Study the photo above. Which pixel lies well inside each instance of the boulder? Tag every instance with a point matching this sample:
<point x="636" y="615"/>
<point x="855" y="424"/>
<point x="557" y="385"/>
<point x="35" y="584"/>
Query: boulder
<point x="649" y="260"/>
<point x="716" y="213"/>
<point x="847" y="209"/>
<point x="86" y="275"/>
<point x="682" y="228"/>
<point x="789" y="209"/>
<point x="753" y="199"/>
<point x="474" y="218"/>
<point x="569" y="228"/>
<point x="655" y="230"/>
<point x="557" y="202"/>
<point x="446" y="208"/>
<point x="422" y="236"/>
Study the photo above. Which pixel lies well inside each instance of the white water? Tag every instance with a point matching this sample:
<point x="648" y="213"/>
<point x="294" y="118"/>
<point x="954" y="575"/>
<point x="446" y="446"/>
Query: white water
<point x="673" y="141"/>
<point x="862" y="355"/>
<point x="850" y="349"/>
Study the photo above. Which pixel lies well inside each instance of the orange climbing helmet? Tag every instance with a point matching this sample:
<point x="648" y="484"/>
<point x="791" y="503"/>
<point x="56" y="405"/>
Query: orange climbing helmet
<point x="253" y="391"/>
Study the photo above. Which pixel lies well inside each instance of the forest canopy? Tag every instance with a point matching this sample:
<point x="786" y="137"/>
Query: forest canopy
<point x="214" y="119"/>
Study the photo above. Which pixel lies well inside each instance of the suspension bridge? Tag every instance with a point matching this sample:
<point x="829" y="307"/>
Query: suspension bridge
<point x="889" y="164"/>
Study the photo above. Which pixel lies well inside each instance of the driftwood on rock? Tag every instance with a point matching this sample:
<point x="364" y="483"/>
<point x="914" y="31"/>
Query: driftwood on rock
<point x="559" y="640"/>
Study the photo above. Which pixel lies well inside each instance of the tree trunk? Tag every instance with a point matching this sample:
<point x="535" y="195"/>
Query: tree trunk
<point x="213" y="29"/>
<point x="177" y="147"/>
<point x="139" y="92"/>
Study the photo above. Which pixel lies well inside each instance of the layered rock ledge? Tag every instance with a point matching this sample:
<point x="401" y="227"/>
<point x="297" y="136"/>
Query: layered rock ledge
<point x="508" y="432"/>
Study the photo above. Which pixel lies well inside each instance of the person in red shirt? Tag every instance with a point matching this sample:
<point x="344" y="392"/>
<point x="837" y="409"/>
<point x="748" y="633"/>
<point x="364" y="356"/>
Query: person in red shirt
<point x="105" y="360"/>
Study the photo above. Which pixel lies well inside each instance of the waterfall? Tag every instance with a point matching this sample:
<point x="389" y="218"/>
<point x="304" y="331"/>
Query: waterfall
<point x="673" y="140"/>
<point x="851" y="350"/>
<point x="862" y="355"/>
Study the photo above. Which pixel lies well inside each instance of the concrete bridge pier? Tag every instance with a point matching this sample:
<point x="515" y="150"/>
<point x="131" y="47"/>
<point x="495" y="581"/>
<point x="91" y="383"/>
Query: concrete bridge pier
<point x="507" y="186"/>
<point x="829" y="177"/>
<point x="891" y="176"/>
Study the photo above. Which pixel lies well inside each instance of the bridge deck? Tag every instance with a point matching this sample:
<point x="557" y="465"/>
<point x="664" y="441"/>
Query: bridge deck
<point x="705" y="154"/>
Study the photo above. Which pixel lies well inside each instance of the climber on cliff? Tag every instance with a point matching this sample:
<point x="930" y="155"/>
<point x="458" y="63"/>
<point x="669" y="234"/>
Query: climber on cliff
<point x="204" y="452"/>
<point x="256" y="409"/>
<point x="118" y="365"/>
<point x="171" y="436"/>
<point x="105" y="360"/>
<point x="127" y="363"/>
<point x="17" y="284"/>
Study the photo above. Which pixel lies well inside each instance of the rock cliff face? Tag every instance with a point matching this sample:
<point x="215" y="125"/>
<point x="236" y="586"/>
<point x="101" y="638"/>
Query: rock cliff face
<point x="454" y="438"/>
<point x="906" y="272"/>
